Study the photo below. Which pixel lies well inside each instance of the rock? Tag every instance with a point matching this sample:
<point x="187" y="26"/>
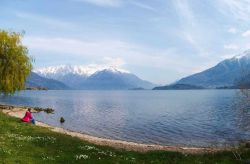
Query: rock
<point x="47" y="110"/>
<point x="62" y="120"/>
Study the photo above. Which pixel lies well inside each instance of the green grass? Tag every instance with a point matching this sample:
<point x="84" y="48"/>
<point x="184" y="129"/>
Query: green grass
<point x="25" y="143"/>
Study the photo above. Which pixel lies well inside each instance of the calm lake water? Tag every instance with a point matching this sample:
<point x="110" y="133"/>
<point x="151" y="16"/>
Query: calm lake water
<point x="186" y="118"/>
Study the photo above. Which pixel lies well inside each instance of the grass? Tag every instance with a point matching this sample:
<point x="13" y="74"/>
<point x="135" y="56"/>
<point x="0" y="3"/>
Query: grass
<point x="25" y="143"/>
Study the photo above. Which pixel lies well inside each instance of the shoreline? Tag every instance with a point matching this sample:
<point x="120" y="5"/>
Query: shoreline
<point x="19" y="111"/>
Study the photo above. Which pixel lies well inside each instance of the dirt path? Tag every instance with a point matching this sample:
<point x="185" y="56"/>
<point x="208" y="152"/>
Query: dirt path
<point x="130" y="146"/>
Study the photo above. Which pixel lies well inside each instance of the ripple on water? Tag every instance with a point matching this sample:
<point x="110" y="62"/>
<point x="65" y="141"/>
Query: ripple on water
<point x="187" y="118"/>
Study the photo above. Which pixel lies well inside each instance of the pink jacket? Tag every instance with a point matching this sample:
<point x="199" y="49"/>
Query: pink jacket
<point x="27" y="117"/>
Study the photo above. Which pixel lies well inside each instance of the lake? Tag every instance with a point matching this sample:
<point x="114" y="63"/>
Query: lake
<point x="181" y="118"/>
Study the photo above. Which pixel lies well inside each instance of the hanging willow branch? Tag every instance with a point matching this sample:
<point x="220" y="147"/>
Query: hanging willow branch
<point x="15" y="64"/>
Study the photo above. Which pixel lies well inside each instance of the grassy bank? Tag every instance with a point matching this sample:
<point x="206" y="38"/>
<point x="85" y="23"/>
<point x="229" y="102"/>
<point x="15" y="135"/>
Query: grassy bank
<point x="25" y="143"/>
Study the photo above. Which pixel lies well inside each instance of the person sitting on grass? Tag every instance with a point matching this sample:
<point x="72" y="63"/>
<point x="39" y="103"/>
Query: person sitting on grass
<point x="28" y="117"/>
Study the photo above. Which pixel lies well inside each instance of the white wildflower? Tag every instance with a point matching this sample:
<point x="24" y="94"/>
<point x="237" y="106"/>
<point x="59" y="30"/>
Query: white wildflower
<point x="31" y="138"/>
<point x="47" y="158"/>
<point x="81" y="156"/>
<point x="5" y="151"/>
<point x="86" y="147"/>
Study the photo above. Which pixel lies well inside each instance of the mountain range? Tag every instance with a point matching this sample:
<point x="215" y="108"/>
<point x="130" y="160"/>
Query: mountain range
<point x="228" y="73"/>
<point x="34" y="80"/>
<point x="93" y="78"/>
<point x="178" y="87"/>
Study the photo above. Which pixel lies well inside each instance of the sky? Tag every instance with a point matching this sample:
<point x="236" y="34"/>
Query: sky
<point x="158" y="40"/>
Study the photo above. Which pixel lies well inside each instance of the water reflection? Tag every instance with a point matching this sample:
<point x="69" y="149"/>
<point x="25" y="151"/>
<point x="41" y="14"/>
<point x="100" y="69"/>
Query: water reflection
<point x="191" y="118"/>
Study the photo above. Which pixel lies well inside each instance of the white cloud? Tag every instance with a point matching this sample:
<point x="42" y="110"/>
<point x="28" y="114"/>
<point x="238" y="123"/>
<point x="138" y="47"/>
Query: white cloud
<point x="227" y="56"/>
<point x="239" y="9"/>
<point x="114" y="62"/>
<point x="143" y="6"/>
<point x="190" y="39"/>
<point x="232" y="30"/>
<point x="111" y="51"/>
<point x="192" y="30"/>
<point x="45" y="20"/>
<point x="115" y="53"/>
<point x="231" y="46"/>
<point x="185" y="11"/>
<point x="74" y="46"/>
<point x="119" y="3"/>
<point x="103" y="3"/>
<point x="188" y="21"/>
<point x="246" y="33"/>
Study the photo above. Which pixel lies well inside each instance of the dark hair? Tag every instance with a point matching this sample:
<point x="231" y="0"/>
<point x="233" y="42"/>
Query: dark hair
<point x="29" y="109"/>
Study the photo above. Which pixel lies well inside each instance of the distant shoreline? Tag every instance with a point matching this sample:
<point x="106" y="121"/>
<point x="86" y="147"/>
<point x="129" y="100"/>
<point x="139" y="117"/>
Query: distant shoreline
<point x="19" y="111"/>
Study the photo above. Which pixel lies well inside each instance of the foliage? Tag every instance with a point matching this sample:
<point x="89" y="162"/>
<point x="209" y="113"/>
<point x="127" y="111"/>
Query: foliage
<point x="15" y="64"/>
<point x="26" y="143"/>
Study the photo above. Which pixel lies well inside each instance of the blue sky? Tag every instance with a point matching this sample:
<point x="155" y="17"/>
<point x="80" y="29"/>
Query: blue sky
<point x="158" y="40"/>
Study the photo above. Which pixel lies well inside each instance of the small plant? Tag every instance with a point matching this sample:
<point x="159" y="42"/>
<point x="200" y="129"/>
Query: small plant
<point x="247" y="145"/>
<point x="46" y="110"/>
<point x="62" y="120"/>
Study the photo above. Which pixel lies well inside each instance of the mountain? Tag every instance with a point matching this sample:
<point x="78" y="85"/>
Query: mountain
<point x="34" y="80"/>
<point x="113" y="79"/>
<point x="226" y="73"/>
<point x="71" y="75"/>
<point x="177" y="87"/>
<point x="94" y="77"/>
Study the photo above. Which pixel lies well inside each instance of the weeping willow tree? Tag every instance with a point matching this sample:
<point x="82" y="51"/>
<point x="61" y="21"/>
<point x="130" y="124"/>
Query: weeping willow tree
<point x="15" y="64"/>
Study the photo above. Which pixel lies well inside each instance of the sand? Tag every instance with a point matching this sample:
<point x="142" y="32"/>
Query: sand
<point x="117" y="144"/>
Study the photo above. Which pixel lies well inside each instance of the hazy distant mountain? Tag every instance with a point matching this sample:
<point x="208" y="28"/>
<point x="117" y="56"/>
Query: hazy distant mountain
<point x="71" y="75"/>
<point x="226" y="73"/>
<point x="93" y="77"/>
<point x="178" y="87"/>
<point x="34" y="80"/>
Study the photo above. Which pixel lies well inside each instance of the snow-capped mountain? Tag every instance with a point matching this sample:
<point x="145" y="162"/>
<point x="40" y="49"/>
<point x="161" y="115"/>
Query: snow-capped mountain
<point x="226" y="73"/>
<point x="93" y="77"/>
<point x="85" y="71"/>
